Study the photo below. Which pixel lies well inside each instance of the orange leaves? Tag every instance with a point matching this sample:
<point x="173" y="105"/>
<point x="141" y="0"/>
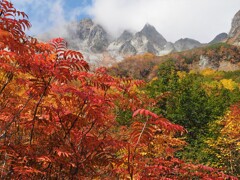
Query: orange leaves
<point x="4" y="34"/>
<point x="44" y="48"/>
<point x="142" y="132"/>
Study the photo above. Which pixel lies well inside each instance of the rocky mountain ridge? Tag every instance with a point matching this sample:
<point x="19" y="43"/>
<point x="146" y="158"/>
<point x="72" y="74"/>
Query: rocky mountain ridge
<point x="93" y="40"/>
<point x="98" y="46"/>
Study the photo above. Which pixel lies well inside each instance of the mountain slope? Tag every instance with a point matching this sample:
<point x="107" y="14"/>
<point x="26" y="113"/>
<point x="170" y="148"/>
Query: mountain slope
<point x="219" y="38"/>
<point x="186" y="44"/>
<point x="221" y="56"/>
<point x="234" y="33"/>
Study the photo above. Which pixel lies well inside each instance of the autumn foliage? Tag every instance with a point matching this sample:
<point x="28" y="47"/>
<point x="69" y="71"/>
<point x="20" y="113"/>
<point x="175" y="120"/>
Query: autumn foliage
<point x="58" y="119"/>
<point x="226" y="146"/>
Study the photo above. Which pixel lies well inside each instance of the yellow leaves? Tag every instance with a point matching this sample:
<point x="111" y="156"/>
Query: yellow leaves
<point x="212" y="73"/>
<point x="148" y="56"/>
<point x="166" y="145"/>
<point x="207" y="72"/>
<point x="192" y="72"/>
<point x="223" y="83"/>
<point x="154" y="79"/>
<point x="122" y="152"/>
<point x="232" y="128"/>
<point x="226" y="146"/>
<point x="229" y="84"/>
<point x="238" y="146"/>
<point x="143" y="153"/>
<point x="209" y="86"/>
<point x="134" y="89"/>
<point x="181" y="74"/>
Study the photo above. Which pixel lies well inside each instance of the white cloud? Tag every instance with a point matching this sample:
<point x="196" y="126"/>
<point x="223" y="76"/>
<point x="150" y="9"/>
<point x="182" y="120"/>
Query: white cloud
<point x="48" y="15"/>
<point x="174" y="19"/>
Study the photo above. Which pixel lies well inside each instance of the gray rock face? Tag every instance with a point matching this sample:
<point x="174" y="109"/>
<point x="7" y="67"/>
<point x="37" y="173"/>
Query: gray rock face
<point x="119" y="42"/>
<point x="186" y="44"/>
<point x="235" y="29"/>
<point x="204" y="62"/>
<point x="148" y="40"/>
<point x="122" y="46"/>
<point x="127" y="49"/>
<point x="88" y="35"/>
<point x="125" y="36"/>
<point x="152" y="35"/>
<point x="84" y="28"/>
<point x="98" y="39"/>
<point x="168" y="48"/>
<point x="219" y="38"/>
<point x="93" y="41"/>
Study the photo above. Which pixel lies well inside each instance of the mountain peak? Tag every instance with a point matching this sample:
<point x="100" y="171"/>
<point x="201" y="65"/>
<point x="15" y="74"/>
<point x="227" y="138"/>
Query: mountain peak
<point x="87" y="22"/>
<point x="186" y="44"/>
<point x="186" y="40"/>
<point x="148" y="27"/>
<point x="219" y="38"/>
<point x="152" y="35"/>
<point x="125" y="36"/>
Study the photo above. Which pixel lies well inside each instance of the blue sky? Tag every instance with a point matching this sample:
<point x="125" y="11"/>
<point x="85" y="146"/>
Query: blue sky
<point x="47" y="14"/>
<point x="174" y="19"/>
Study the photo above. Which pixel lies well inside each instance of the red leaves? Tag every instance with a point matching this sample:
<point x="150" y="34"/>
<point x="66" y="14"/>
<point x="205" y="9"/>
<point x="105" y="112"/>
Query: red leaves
<point x="62" y="153"/>
<point x="162" y="123"/>
<point x="145" y="113"/>
<point x="26" y="171"/>
<point x="59" y="120"/>
<point x="68" y="62"/>
<point x="166" y="125"/>
<point x="60" y="46"/>
<point x="12" y="24"/>
<point x="142" y="133"/>
<point x="70" y="54"/>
